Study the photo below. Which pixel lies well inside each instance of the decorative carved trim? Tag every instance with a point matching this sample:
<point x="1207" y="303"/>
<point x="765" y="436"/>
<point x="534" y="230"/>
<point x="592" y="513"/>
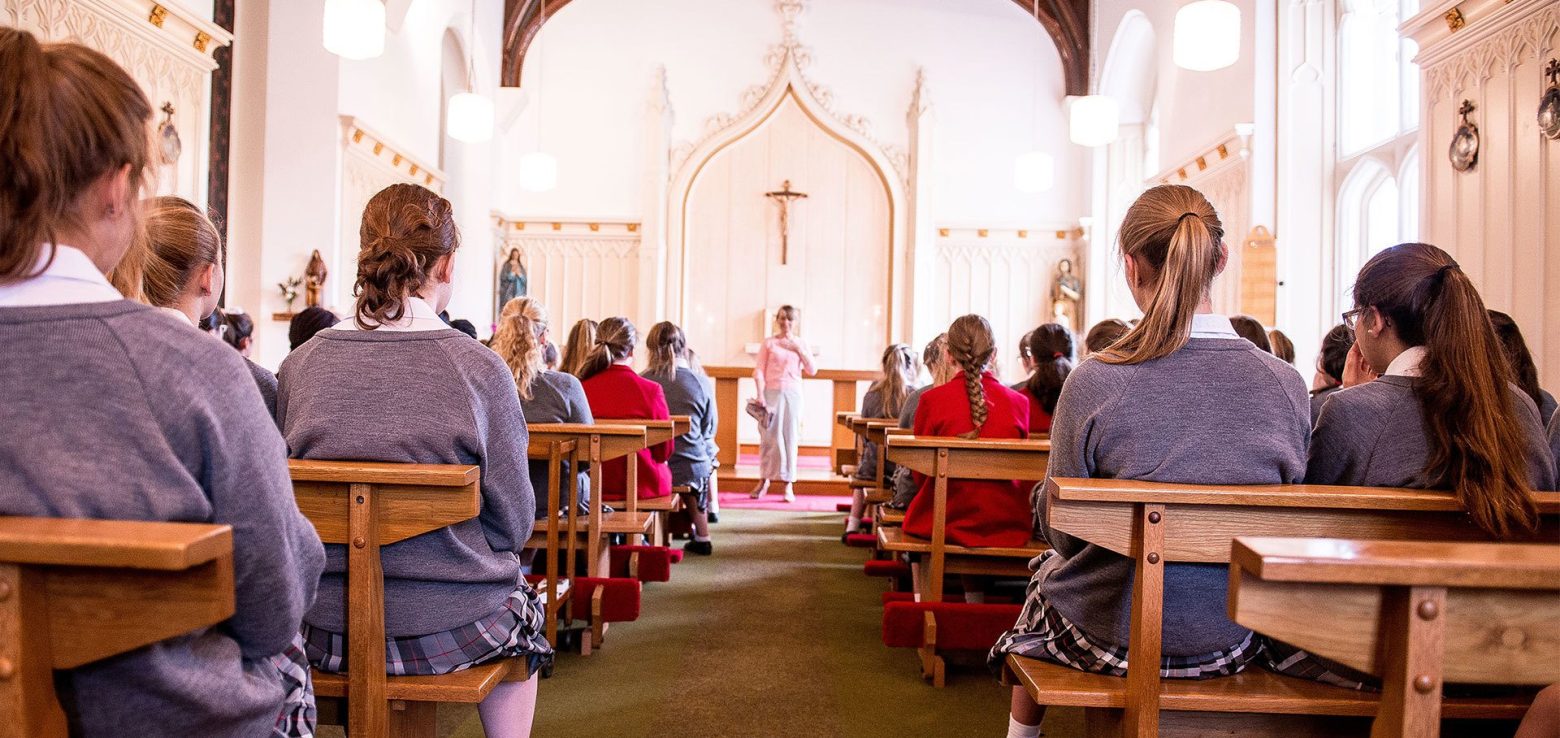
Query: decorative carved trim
<point x="1061" y="232"/>
<point x="787" y="63"/>
<point x="597" y="228"/>
<point x="1524" y="40"/>
<point x="363" y="140"/>
<point x="167" y="27"/>
<point x="1455" y="20"/>
<point x="1205" y="164"/>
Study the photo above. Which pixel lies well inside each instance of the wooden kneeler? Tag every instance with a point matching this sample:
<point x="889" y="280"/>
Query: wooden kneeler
<point x="76" y="591"/>
<point x="366" y="506"/>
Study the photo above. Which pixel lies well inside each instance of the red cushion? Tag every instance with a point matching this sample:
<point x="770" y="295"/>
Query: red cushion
<point x="861" y="540"/>
<point x="842" y="507"/>
<point x="619" y="598"/>
<point x="655" y="562"/>
<point x="960" y="627"/>
<point x="886" y="568"/>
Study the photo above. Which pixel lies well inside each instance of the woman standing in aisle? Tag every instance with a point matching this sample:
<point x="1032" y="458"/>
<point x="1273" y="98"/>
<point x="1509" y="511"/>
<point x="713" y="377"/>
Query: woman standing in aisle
<point x="782" y="360"/>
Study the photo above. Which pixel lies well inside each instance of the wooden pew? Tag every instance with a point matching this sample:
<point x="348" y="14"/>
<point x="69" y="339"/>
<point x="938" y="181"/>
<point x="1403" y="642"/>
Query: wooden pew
<point x="656" y="432"/>
<point x="955" y="458"/>
<point x="1156" y="523"/>
<point x="365" y="506"/>
<point x="556" y="588"/>
<point x="597" y="443"/>
<point x="75" y="591"/>
<point x="1416" y="613"/>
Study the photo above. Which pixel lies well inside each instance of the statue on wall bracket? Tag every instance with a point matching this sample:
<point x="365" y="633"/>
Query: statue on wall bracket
<point x="314" y="279"/>
<point x="1066" y="295"/>
<point x="512" y="279"/>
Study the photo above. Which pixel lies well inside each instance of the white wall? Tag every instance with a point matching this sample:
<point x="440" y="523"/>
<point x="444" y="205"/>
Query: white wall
<point x="993" y="73"/>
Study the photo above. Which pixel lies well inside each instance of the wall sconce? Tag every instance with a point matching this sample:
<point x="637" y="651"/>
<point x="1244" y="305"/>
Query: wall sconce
<point x="1549" y="103"/>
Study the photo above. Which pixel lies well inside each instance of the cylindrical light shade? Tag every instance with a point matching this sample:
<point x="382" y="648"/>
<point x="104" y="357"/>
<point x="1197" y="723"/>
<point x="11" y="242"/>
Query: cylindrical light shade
<point x="355" y="29"/>
<point x="470" y="118"/>
<point x="538" y="172"/>
<point x="1207" y="35"/>
<point x="1034" y="172"/>
<point x="1094" y="120"/>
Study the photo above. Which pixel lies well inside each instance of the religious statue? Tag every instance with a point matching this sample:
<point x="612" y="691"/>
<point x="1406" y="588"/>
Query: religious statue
<point x="1066" y="293"/>
<point x="314" y="279"/>
<point x="785" y="197"/>
<point x="512" y="279"/>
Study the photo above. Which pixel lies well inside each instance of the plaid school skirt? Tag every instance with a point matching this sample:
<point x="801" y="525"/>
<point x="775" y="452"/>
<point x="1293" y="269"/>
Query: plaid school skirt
<point x="298" y="717"/>
<point x="518" y="628"/>
<point x="1043" y="633"/>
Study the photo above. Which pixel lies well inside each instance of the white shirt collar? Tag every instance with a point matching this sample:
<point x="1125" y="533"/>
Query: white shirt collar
<point x="70" y="279"/>
<point x="418" y="316"/>
<point x="1407" y="363"/>
<point x="1212" y="325"/>
<point x="185" y="319"/>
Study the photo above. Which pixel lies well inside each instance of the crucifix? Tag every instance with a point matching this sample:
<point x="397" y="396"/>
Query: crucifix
<point x="785" y="196"/>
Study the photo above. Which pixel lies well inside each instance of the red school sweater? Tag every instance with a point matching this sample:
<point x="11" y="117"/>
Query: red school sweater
<point x="617" y="392"/>
<point x="1039" y="419"/>
<point x="980" y="512"/>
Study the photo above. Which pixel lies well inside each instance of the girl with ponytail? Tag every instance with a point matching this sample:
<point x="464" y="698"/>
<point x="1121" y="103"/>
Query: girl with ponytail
<point x="884" y="399"/>
<point x="615" y="391"/>
<point x="1180" y="398"/>
<point x="687" y="393"/>
<point x="582" y="338"/>
<point x="1051" y="345"/>
<point x="1443" y="414"/>
<point x="396" y="384"/>
<point x="546" y="396"/>
<point x="974" y="404"/>
<point x="174" y="425"/>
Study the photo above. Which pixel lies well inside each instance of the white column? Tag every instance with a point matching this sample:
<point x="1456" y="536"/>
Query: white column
<point x="921" y="248"/>
<point x="654" y="263"/>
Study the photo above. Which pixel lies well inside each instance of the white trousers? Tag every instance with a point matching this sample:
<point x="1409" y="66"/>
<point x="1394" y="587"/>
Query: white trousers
<point x="777" y="444"/>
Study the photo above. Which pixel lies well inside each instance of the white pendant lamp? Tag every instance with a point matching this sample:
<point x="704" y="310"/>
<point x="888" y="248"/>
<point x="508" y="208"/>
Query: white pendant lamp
<point x="1094" y="120"/>
<point x="470" y="118"/>
<point x="355" y="29"/>
<point x="1034" y="172"/>
<point x="1207" y="35"/>
<point x="538" y="172"/>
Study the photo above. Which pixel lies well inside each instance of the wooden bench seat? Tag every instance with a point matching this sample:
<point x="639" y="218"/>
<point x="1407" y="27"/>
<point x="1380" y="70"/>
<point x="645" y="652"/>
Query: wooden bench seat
<point x="595" y="443"/>
<point x="1254" y="690"/>
<point x="77" y="591"/>
<point x="467" y="686"/>
<point x="896" y="539"/>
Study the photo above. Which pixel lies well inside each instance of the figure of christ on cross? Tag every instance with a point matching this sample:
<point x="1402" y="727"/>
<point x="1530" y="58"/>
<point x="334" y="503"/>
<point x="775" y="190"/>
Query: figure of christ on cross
<point x="784" y="196"/>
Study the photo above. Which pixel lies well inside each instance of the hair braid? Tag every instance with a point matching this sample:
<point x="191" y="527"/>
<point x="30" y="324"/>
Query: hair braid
<point x="972" y="346"/>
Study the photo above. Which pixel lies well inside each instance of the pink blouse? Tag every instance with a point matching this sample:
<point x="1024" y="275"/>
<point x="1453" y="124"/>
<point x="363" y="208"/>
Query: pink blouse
<point x="780" y="366"/>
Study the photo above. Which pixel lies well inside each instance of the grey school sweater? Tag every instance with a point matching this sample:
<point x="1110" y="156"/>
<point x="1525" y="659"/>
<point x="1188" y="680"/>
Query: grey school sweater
<point x="429" y="397"/>
<point x="1218" y="411"/>
<point x="1554" y="444"/>
<point x="687" y="394"/>
<point x="556" y="397"/>
<point x="265" y="381"/>
<point x="115" y="410"/>
<point x="1374" y="435"/>
<point x="871" y="407"/>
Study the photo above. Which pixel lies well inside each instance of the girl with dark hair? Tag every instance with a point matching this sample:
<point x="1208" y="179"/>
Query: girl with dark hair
<point x="687" y="393"/>
<point x="393" y="383"/>
<point x="1159" y="405"/>
<point x="158" y="422"/>
<point x="975" y="404"/>
<point x="1051" y="345"/>
<point x="615" y="391"/>
<point x="884" y="399"/>
<point x="1443" y="413"/>
<point x="1329" y="367"/>
<point x="1524" y="373"/>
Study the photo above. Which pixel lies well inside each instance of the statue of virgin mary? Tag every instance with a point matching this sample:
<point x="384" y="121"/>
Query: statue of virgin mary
<point x="511" y="278"/>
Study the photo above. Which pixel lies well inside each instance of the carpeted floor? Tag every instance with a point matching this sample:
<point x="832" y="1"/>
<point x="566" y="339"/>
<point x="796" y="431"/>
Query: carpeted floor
<point x="777" y="634"/>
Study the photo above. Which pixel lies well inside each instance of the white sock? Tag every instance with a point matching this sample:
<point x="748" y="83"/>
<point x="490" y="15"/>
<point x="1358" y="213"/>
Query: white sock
<point x="701" y="539"/>
<point x="1017" y="729"/>
<point x="974" y="598"/>
<point x="852" y="525"/>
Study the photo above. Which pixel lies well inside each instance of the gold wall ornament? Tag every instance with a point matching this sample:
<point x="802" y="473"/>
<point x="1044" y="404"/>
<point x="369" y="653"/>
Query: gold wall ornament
<point x="943" y="232"/>
<point x="982" y="232"/>
<point x="1023" y="233"/>
<point x="414" y="170"/>
<point x="395" y="160"/>
<point x="1224" y="152"/>
<point x="157" y="16"/>
<point x="1202" y="163"/>
<point x="357" y="135"/>
<point x="1464" y="151"/>
<point x="378" y="147"/>
<point x="1549" y="103"/>
<point x="633" y="227"/>
<point x="1455" y="19"/>
<point x="557" y="226"/>
<point x="595" y="227"/>
<point x="1181" y="173"/>
<point x="202" y="39"/>
<point x="428" y="179"/>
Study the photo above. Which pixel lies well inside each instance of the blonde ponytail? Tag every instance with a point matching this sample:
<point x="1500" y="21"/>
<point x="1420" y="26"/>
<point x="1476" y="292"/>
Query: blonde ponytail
<point x="518" y="340"/>
<point x="972" y="346"/>
<point x="1176" y="240"/>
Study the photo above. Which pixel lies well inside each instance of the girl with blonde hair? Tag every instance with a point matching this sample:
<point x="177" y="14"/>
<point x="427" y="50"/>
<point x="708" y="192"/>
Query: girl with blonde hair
<point x="1159" y="404"/>
<point x="884" y="399"/>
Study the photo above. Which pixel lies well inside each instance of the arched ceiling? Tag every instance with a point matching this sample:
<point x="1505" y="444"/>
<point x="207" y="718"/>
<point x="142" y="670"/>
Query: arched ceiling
<point x="1065" y="21"/>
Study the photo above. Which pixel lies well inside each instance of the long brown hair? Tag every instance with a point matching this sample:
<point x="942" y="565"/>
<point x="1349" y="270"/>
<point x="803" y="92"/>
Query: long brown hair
<point x="972" y="346"/>
<point x="179" y="242"/>
<point x="582" y="338"/>
<point x="406" y="228"/>
<point x="1174" y="235"/>
<point x="518" y="340"/>
<point x="665" y="344"/>
<point x="932" y="357"/>
<point x="1051" y="345"/>
<point x="71" y="115"/>
<point x="898" y="375"/>
<point x="1523" y="373"/>
<point x="1476" y="444"/>
<point x="1105" y="333"/>
<point x="615" y="339"/>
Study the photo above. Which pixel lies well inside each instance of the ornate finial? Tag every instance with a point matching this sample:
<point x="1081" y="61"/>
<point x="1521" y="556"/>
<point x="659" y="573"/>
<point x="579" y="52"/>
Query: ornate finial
<point x="789" y="10"/>
<point x="1467" y="107"/>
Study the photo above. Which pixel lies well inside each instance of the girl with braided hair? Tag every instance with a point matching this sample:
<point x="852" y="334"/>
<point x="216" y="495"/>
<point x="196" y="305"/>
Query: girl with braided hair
<point x="974" y="404"/>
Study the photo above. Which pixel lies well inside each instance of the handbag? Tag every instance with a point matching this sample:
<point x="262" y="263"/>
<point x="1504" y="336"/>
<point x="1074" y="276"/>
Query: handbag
<point x="760" y="413"/>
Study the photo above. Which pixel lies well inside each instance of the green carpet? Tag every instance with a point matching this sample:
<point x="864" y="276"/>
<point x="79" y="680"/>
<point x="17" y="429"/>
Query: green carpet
<point x="778" y="633"/>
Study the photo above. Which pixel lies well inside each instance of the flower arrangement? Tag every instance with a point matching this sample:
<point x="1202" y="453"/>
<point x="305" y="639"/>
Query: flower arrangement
<point x="289" y="290"/>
